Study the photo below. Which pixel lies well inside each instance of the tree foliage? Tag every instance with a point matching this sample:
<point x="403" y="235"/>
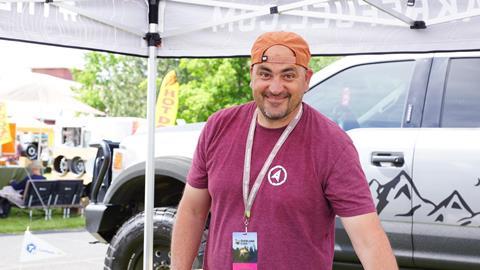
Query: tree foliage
<point x="208" y="85"/>
<point x="117" y="84"/>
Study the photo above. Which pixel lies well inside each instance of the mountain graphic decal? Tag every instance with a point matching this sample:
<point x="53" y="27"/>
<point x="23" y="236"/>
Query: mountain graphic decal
<point x="400" y="193"/>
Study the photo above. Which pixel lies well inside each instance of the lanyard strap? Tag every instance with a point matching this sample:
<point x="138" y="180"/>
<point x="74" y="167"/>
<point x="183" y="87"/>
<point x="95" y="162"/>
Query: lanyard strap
<point x="249" y="198"/>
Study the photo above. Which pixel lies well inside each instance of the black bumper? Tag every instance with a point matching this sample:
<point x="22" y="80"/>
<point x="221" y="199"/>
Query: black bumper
<point x="102" y="221"/>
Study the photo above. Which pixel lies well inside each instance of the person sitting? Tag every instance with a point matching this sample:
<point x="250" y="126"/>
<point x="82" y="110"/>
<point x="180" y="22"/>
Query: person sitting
<point x="34" y="173"/>
<point x="13" y="193"/>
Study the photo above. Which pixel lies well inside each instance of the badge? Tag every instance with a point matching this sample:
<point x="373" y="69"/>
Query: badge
<point x="244" y="250"/>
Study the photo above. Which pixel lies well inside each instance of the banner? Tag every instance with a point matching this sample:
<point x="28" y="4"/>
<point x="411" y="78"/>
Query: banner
<point x="104" y="25"/>
<point x="34" y="248"/>
<point x="167" y="101"/>
<point x="5" y="136"/>
<point x="329" y="26"/>
<point x="228" y="28"/>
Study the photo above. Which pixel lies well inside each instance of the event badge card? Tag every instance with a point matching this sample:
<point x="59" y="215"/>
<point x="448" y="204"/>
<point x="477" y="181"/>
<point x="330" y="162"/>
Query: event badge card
<point x="245" y="250"/>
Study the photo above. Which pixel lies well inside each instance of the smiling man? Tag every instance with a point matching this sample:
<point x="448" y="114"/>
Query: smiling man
<point x="273" y="174"/>
<point x="278" y="85"/>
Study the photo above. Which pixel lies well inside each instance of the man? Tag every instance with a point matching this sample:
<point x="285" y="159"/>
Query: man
<point x="34" y="173"/>
<point x="274" y="173"/>
<point x="14" y="191"/>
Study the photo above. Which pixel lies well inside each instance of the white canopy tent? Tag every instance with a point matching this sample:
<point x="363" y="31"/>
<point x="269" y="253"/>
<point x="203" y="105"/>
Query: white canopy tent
<point x="41" y="95"/>
<point x="214" y="28"/>
<point x="200" y="27"/>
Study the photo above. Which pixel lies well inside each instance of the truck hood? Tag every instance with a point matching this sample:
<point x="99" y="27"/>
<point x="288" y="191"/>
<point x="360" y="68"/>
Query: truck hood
<point x="169" y="141"/>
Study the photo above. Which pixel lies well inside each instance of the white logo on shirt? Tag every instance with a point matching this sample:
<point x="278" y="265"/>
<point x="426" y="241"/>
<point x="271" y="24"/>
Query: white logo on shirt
<point x="277" y="175"/>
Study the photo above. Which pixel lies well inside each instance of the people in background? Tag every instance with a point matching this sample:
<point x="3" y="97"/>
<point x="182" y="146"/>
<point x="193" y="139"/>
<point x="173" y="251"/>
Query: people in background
<point x="34" y="173"/>
<point x="13" y="193"/>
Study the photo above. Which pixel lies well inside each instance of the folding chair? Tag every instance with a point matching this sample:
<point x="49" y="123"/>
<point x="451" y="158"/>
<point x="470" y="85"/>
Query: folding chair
<point x="67" y="195"/>
<point x="39" y="194"/>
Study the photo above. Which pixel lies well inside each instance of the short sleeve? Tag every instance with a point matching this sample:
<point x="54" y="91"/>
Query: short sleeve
<point x="198" y="174"/>
<point x="346" y="187"/>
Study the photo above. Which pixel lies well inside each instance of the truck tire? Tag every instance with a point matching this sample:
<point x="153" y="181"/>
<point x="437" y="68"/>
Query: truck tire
<point x="126" y="248"/>
<point x="32" y="151"/>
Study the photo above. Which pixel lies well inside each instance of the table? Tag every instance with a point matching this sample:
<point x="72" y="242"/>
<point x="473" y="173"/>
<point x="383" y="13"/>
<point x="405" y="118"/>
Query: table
<point x="8" y="173"/>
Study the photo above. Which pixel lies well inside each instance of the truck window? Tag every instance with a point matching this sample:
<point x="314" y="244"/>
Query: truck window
<point x="71" y="136"/>
<point x="462" y="94"/>
<point x="370" y="95"/>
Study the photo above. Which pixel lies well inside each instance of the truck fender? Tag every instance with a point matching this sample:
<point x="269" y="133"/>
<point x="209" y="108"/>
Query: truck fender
<point x="128" y="181"/>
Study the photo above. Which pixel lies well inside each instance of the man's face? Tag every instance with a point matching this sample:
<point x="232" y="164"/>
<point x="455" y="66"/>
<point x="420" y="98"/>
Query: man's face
<point x="278" y="88"/>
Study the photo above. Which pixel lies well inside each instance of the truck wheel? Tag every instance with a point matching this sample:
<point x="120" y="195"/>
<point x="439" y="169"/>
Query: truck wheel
<point x="77" y="166"/>
<point x="126" y="248"/>
<point x="32" y="151"/>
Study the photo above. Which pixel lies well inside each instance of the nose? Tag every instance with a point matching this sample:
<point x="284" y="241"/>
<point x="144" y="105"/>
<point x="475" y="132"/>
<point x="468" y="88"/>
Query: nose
<point x="276" y="86"/>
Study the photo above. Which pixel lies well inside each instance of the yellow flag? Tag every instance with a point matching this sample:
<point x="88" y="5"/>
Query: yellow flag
<point x="167" y="101"/>
<point x="4" y="127"/>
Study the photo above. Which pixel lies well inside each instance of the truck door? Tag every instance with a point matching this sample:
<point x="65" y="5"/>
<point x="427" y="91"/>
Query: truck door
<point x="379" y="105"/>
<point x="446" y="233"/>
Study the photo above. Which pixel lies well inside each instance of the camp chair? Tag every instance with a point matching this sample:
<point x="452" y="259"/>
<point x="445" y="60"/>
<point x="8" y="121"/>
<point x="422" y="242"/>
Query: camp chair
<point x="39" y="194"/>
<point x="67" y="195"/>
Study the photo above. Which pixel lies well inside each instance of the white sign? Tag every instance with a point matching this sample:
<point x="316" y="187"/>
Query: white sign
<point x="34" y="248"/>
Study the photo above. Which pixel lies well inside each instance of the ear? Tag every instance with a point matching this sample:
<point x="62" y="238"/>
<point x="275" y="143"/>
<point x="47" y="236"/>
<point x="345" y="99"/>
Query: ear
<point x="308" y="76"/>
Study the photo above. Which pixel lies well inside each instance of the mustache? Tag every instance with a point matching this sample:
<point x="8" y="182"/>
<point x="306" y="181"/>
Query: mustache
<point x="279" y="95"/>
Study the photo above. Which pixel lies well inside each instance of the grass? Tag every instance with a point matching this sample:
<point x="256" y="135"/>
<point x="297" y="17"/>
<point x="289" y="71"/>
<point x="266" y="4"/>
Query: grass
<point x="19" y="220"/>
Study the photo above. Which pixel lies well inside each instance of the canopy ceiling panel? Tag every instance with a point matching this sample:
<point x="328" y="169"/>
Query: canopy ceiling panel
<point x="106" y="25"/>
<point x="227" y="28"/>
<point x="331" y="27"/>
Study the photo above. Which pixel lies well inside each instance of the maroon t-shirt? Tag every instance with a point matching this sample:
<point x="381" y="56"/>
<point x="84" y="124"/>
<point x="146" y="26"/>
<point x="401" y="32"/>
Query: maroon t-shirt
<point x="315" y="176"/>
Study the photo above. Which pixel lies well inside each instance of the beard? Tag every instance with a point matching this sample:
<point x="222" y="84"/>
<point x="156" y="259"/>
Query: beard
<point x="269" y="114"/>
<point x="280" y="112"/>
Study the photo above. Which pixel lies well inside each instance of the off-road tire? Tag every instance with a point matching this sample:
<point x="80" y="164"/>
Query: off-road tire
<point x="126" y="248"/>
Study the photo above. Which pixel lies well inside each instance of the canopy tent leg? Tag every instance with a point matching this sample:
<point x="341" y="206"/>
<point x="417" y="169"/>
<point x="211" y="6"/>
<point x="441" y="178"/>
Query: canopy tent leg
<point x="153" y="40"/>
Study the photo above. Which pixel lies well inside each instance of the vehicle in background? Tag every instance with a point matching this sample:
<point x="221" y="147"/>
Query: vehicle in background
<point x="30" y="138"/>
<point x="414" y="120"/>
<point x="73" y="154"/>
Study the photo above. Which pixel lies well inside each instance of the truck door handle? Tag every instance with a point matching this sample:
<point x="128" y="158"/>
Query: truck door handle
<point x="394" y="158"/>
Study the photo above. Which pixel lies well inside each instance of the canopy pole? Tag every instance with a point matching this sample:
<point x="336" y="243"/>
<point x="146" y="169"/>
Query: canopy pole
<point x="413" y="24"/>
<point x="153" y="40"/>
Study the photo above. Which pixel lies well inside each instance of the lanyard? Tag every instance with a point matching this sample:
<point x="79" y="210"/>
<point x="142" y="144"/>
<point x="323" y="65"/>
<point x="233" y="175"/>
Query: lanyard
<point x="249" y="198"/>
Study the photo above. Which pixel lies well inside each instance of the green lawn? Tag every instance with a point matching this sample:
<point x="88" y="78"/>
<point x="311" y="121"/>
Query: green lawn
<point x="19" y="220"/>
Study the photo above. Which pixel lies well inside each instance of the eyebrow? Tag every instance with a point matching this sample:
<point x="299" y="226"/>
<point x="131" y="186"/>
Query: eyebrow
<point x="288" y="69"/>
<point x="264" y="69"/>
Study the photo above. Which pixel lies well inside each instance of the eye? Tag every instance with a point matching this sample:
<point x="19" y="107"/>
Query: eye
<point x="289" y="76"/>
<point x="264" y="75"/>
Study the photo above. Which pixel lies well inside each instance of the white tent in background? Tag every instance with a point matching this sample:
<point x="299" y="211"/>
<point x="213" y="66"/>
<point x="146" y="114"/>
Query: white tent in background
<point x="42" y="96"/>
<point x="215" y="28"/>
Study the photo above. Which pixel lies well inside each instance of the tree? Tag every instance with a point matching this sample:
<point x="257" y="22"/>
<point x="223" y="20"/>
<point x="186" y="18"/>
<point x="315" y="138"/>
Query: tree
<point x="208" y="85"/>
<point x="319" y="62"/>
<point x="111" y="83"/>
<point x="117" y="84"/>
